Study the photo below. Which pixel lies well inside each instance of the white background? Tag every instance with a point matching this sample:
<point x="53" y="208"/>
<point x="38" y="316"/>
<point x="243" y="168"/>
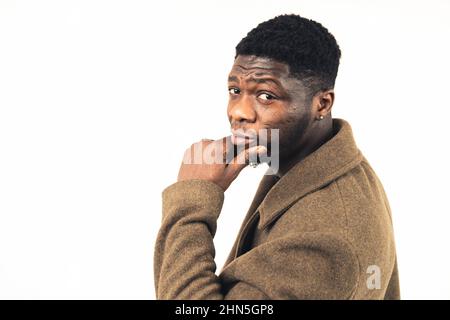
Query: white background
<point x="99" y="99"/>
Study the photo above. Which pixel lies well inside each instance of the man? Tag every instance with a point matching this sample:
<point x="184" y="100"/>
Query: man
<point x="320" y="228"/>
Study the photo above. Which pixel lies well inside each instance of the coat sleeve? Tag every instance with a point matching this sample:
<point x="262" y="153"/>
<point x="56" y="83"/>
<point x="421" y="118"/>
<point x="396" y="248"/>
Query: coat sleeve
<point x="308" y="265"/>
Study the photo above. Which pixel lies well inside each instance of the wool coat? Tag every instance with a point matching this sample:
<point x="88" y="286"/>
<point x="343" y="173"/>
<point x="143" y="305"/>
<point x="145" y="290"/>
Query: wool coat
<point x="321" y="231"/>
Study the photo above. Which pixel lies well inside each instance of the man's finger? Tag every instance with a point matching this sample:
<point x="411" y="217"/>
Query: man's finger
<point x="243" y="158"/>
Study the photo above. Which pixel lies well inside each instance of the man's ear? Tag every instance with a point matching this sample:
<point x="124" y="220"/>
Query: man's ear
<point x="323" y="102"/>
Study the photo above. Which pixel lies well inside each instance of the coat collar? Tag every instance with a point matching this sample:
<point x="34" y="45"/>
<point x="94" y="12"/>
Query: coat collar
<point x="331" y="160"/>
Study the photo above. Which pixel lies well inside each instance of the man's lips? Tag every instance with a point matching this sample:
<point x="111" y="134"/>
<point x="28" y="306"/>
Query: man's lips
<point x="238" y="137"/>
<point x="238" y="140"/>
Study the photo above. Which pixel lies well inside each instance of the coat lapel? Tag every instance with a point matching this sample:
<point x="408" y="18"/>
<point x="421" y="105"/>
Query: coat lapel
<point x="331" y="160"/>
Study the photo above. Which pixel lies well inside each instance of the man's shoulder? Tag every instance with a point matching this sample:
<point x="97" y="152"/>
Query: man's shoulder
<point x="354" y="200"/>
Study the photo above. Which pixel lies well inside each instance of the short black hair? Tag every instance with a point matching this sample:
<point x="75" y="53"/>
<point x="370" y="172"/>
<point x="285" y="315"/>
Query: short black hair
<point x="307" y="47"/>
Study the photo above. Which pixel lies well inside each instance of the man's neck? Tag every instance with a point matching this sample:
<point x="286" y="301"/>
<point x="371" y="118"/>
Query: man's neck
<point x="313" y="143"/>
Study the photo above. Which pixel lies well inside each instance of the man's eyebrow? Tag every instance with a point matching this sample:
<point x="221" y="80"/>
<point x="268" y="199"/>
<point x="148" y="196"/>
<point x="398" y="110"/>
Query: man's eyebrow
<point x="264" y="80"/>
<point x="257" y="80"/>
<point x="233" y="78"/>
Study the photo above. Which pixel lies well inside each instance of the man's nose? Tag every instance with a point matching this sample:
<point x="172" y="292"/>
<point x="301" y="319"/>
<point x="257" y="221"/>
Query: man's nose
<point x="243" y="111"/>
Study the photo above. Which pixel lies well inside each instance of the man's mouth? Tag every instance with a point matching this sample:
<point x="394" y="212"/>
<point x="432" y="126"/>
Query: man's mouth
<point x="238" y="140"/>
<point x="238" y="137"/>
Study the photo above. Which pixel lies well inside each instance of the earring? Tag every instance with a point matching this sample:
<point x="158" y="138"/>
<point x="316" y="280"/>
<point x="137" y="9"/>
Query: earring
<point x="320" y="118"/>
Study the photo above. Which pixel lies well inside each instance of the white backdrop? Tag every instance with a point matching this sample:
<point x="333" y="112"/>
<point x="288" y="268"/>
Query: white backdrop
<point x="99" y="99"/>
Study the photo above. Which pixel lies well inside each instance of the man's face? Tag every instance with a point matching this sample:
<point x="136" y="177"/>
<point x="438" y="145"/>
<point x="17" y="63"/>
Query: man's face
<point x="263" y="95"/>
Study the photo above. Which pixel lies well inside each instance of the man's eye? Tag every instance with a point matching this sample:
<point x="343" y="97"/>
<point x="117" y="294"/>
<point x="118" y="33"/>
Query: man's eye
<point x="234" y="91"/>
<point x="266" y="96"/>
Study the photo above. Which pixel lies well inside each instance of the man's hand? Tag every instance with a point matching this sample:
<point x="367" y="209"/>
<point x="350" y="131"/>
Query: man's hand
<point x="214" y="160"/>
